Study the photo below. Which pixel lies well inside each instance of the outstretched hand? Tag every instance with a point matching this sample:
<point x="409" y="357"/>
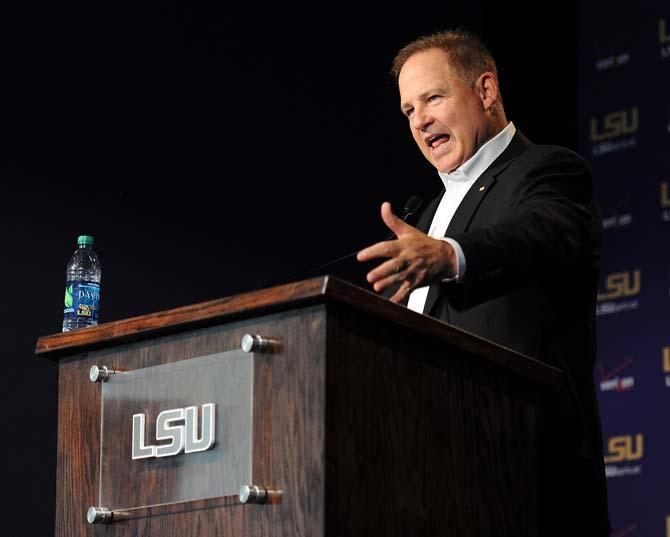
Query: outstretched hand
<point x="414" y="258"/>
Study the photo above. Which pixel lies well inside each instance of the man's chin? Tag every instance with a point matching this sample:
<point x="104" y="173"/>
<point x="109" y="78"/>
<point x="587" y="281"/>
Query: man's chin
<point x="447" y="164"/>
<point x="446" y="167"/>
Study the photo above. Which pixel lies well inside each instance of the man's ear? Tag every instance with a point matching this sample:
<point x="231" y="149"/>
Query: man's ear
<point x="486" y="88"/>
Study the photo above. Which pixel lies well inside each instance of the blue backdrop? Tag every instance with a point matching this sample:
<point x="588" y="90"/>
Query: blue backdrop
<point x="624" y="111"/>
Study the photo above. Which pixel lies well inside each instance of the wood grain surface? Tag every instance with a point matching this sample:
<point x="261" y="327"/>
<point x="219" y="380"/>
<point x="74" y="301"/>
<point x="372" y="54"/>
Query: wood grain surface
<point x="322" y="290"/>
<point x="425" y="439"/>
<point x="289" y="403"/>
<point x="368" y="419"/>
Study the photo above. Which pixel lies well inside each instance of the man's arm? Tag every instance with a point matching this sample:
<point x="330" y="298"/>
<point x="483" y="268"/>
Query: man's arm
<point x="549" y="224"/>
<point x="414" y="258"/>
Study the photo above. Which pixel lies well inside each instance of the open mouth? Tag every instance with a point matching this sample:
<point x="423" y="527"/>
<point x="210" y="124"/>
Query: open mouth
<point x="436" y="141"/>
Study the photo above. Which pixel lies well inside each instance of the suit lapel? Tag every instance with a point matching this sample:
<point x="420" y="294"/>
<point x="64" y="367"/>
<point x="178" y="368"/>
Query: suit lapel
<point x="460" y="222"/>
<point x="482" y="186"/>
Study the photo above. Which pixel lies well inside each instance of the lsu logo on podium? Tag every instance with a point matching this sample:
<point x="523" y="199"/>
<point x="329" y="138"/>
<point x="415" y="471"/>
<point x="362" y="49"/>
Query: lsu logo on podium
<point x="665" y="194"/>
<point x="615" y="124"/>
<point x="620" y="285"/>
<point x="180" y="427"/>
<point x="626" y="448"/>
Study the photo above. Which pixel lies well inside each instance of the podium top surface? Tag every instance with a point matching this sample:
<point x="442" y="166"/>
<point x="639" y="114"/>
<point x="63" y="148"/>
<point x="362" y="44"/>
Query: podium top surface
<point x="321" y="290"/>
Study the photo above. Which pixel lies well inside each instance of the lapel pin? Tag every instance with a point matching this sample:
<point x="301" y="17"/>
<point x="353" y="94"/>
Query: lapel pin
<point x="481" y="188"/>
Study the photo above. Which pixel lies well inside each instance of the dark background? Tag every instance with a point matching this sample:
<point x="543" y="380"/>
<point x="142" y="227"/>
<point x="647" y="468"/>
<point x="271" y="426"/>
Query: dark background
<point x="211" y="150"/>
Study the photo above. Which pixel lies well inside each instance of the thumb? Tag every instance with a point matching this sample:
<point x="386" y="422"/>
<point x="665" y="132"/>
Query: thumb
<point x="394" y="223"/>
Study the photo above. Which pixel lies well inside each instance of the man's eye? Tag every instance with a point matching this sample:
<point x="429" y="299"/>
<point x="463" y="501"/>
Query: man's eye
<point x="433" y="98"/>
<point x="409" y="112"/>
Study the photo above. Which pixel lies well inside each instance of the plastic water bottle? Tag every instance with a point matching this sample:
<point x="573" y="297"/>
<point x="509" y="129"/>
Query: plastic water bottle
<point x="82" y="287"/>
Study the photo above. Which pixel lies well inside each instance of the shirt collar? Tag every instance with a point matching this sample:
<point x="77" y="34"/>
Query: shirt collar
<point x="477" y="164"/>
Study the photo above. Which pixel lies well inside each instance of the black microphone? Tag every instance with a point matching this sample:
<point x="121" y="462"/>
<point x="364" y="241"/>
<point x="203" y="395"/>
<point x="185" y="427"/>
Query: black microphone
<point x="412" y="205"/>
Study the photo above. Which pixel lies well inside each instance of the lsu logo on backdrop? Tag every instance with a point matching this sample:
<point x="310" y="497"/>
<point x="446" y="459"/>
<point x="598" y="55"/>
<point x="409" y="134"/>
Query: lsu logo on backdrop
<point x="612" y="381"/>
<point x="665" y="201"/>
<point x="626" y="448"/>
<point x="622" y="453"/>
<point x="618" y="286"/>
<point x="664" y="38"/>
<point x="666" y="365"/>
<point x="613" y="131"/>
<point x="615" y="124"/>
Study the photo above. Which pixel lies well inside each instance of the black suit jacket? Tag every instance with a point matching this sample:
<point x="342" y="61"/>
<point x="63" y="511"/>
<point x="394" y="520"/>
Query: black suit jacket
<point x="530" y="232"/>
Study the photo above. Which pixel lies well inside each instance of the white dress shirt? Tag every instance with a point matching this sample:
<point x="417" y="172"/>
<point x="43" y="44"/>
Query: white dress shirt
<point x="457" y="184"/>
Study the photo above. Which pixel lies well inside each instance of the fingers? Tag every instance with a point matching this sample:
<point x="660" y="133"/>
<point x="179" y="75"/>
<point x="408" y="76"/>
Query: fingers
<point x="394" y="223"/>
<point x="406" y="264"/>
<point x="391" y="267"/>
<point x="385" y="281"/>
<point x="387" y="248"/>
<point x="402" y="292"/>
<point x="393" y="279"/>
<point x="381" y="249"/>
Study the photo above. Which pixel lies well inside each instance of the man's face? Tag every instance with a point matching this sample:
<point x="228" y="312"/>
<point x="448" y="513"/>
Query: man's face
<point x="446" y="116"/>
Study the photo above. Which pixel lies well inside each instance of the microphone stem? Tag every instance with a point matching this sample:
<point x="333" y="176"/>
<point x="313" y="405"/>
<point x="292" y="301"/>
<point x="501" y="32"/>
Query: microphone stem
<point x="344" y="257"/>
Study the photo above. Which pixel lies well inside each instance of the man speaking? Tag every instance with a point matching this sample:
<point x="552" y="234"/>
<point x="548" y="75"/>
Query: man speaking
<point x="509" y="250"/>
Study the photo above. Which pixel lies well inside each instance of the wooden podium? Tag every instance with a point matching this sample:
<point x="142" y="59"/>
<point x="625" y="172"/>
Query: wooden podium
<point x="366" y="419"/>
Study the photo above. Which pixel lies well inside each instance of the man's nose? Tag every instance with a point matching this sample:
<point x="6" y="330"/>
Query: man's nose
<point x="421" y="120"/>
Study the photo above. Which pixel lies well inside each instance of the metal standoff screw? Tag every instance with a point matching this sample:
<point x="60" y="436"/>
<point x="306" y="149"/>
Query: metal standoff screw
<point x="100" y="373"/>
<point x="99" y="515"/>
<point x="253" y="494"/>
<point x="257" y="343"/>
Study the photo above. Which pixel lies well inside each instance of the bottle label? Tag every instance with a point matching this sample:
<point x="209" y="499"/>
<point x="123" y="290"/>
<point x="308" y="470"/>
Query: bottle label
<point x="82" y="300"/>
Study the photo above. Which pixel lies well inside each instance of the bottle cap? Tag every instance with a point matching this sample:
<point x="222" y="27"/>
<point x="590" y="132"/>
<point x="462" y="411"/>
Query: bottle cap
<point x="85" y="240"/>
